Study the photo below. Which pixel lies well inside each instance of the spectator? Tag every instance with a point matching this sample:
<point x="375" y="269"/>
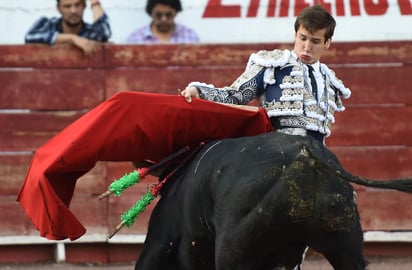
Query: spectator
<point x="70" y="27"/>
<point x="163" y="28"/>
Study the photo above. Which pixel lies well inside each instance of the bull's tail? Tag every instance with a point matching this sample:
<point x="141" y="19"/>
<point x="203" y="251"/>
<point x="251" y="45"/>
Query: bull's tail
<point x="327" y="160"/>
<point x="400" y="184"/>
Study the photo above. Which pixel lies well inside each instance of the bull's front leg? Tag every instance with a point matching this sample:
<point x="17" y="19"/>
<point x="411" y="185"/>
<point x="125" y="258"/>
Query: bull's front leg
<point x="160" y="247"/>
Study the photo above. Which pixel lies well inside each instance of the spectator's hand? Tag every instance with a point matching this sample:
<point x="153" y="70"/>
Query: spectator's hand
<point x="97" y="9"/>
<point x="190" y="92"/>
<point x="89" y="47"/>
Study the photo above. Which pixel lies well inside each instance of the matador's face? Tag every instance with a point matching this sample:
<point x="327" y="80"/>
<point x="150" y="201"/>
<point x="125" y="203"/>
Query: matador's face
<point x="309" y="47"/>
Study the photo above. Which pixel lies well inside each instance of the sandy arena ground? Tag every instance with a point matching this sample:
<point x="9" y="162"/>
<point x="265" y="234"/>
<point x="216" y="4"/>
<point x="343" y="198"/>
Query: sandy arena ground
<point x="310" y="264"/>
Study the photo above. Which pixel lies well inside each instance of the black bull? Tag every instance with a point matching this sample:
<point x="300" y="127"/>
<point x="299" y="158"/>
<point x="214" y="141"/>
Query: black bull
<point x="257" y="203"/>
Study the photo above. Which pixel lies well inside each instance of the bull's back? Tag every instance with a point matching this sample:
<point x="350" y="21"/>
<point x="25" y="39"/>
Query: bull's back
<point x="247" y="189"/>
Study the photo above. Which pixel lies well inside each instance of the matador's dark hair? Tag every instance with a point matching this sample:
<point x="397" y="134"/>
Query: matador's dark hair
<point x="315" y="18"/>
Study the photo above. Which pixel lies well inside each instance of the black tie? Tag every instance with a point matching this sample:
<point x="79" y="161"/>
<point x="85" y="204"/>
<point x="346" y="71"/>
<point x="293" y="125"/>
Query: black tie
<point x="313" y="82"/>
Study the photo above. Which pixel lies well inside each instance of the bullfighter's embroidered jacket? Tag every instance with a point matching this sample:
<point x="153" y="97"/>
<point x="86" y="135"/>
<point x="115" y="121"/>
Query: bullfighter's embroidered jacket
<point x="282" y="84"/>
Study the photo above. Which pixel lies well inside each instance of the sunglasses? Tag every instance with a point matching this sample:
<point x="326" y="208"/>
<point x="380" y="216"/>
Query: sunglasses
<point x="168" y="15"/>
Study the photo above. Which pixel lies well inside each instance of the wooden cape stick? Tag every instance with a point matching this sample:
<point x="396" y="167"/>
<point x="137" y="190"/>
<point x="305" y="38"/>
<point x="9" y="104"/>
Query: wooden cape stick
<point x="243" y="107"/>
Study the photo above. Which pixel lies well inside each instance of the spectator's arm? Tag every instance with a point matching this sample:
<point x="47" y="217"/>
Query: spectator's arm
<point x="97" y="9"/>
<point x="86" y="45"/>
<point x="102" y="29"/>
<point x="65" y="38"/>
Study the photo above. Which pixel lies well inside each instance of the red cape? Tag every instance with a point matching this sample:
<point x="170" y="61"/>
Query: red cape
<point x="130" y="126"/>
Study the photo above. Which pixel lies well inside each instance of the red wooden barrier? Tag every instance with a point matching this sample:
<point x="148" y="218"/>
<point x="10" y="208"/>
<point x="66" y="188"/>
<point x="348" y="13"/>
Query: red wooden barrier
<point x="43" y="89"/>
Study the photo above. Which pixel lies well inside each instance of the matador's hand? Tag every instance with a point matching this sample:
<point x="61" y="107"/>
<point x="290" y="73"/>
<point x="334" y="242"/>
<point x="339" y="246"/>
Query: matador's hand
<point x="189" y="93"/>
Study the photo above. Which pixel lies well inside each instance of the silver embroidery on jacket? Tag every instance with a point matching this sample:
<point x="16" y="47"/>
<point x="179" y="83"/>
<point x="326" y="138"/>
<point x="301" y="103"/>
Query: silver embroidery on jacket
<point x="297" y="107"/>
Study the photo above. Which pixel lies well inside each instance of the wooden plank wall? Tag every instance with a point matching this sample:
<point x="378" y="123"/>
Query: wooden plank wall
<point x="44" y="89"/>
